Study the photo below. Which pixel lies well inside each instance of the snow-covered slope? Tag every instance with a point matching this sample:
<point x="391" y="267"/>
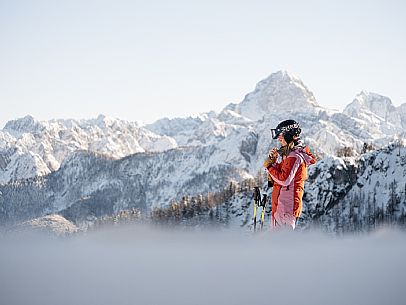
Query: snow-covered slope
<point x="88" y="185"/>
<point x="350" y="193"/>
<point x="345" y="194"/>
<point x="203" y="129"/>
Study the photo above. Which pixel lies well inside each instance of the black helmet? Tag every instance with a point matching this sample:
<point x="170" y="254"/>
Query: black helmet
<point x="288" y="129"/>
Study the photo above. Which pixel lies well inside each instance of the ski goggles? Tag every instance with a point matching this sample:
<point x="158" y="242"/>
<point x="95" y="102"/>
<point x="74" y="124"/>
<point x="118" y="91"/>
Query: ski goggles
<point x="276" y="132"/>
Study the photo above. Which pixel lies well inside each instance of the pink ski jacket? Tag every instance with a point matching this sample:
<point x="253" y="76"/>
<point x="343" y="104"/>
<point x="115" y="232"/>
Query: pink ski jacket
<point x="289" y="177"/>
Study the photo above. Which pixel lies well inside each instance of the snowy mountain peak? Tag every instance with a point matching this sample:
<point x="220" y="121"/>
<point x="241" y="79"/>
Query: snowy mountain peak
<point x="105" y="121"/>
<point x="367" y="101"/>
<point x="281" y="91"/>
<point x="26" y="124"/>
<point x="281" y="77"/>
<point x="376" y="114"/>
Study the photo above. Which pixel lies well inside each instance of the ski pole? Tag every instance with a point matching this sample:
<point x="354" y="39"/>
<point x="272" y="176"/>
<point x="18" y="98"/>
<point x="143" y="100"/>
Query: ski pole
<point x="257" y="200"/>
<point x="263" y="204"/>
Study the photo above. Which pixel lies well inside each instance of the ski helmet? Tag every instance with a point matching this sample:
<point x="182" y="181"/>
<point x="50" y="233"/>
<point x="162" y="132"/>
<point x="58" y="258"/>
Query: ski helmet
<point x="287" y="128"/>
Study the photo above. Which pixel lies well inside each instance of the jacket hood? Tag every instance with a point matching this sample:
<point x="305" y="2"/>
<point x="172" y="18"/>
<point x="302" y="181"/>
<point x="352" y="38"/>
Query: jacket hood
<point x="304" y="152"/>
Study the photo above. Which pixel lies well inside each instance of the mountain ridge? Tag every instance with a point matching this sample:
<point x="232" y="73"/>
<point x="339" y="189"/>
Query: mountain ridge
<point x="90" y="168"/>
<point x="48" y="143"/>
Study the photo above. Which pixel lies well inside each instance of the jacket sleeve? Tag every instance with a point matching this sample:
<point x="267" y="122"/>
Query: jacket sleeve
<point x="285" y="173"/>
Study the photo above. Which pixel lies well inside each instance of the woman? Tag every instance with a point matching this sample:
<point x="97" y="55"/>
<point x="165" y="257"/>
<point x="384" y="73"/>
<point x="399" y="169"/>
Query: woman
<point x="287" y="168"/>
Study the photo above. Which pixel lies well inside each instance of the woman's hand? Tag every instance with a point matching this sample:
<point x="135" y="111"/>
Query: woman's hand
<point x="272" y="156"/>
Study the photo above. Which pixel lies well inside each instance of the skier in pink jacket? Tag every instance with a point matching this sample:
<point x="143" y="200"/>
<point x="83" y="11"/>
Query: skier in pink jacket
<point x="288" y="171"/>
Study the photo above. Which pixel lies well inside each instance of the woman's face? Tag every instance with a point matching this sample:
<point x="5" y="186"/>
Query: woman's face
<point x="281" y="140"/>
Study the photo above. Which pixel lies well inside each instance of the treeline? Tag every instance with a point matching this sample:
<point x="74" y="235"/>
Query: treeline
<point x="364" y="212"/>
<point x="207" y="209"/>
<point x="212" y="208"/>
<point x="348" y="151"/>
<point x="204" y="209"/>
<point x="122" y="217"/>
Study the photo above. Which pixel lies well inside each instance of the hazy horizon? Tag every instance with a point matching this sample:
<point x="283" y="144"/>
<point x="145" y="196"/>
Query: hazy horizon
<point x="128" y="265"/>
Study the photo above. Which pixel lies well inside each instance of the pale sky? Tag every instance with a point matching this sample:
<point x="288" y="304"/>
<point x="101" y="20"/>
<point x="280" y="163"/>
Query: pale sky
<point x="144" y="60"/>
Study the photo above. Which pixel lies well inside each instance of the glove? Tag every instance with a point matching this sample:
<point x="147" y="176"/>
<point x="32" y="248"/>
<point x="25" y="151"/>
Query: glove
<point x="273" y="155"/>
<point x="269" y="161"/>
